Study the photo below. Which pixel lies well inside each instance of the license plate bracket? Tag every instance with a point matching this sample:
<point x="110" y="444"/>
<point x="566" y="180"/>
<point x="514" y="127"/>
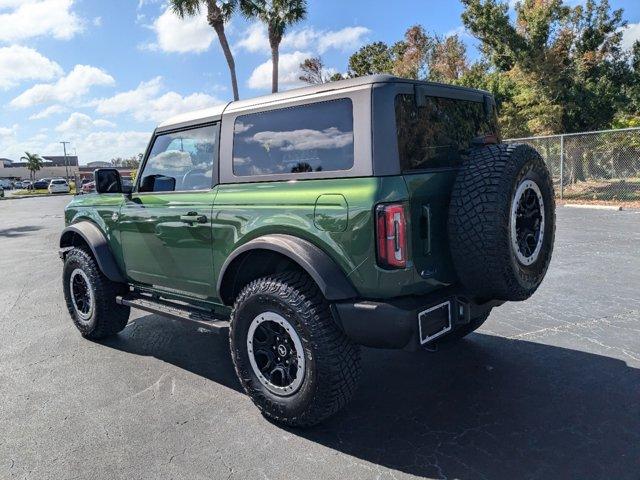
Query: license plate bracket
<point x="434" y="322"/>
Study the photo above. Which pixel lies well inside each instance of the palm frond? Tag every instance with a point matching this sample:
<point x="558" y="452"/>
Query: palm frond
<point x="228" y="8"/>
<point x="254" y="9"/>
<point x="185" y="8"/>
<point x="276" y="14"/>
<point x="294" y="11"/>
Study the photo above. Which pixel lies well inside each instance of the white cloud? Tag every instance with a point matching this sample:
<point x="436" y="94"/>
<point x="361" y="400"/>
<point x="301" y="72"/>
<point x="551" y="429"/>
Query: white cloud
<point x="346" y="39"/>
<point x="22" y="63"/>
<point x="76" y="84"/>
<point x="630" y="34"/>
<point x="79" y="122"/>
<point x="34" y="18"/>
<point x="172" y="103"/>
<point x="146" y="103"/>
<point x="288" y="71"/>
<point x="96" y="146"/>
<point x="8" y="133"/>
<point x="131" y="99"/>
<point x="142" y="3"/>
<point x="176" y="35"/>
<point x="103" y="146"/>
<point x="303" y="139"/>
<point x="47" y="112"/>
<point x="255" y="39"/>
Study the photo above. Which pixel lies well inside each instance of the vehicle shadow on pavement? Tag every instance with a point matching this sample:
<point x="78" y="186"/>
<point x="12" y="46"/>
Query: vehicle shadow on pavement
<point x="19" y="231"/>
<point x="495" y="408"/>
<point x="488" y="407"/>
<point x="185" y="346"/>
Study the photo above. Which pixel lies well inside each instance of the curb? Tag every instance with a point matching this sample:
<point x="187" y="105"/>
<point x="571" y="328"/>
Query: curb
<point x="595" y="207"/>
<point x="43" y="195"/>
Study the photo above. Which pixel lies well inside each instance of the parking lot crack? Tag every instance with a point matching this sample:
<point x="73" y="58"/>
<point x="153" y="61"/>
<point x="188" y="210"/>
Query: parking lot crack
<point x="184" y="450"/>
<point x="567" y="327"/>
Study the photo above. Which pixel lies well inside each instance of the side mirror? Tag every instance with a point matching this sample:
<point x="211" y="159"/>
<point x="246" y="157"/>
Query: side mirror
<point x="108" y="180"/>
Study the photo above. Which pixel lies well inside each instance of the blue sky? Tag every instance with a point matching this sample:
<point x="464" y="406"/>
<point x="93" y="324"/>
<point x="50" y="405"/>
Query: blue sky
<point x="101" y="74"/>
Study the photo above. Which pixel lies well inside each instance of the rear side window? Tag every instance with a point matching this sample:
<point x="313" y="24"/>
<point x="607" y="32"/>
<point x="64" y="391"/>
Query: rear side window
<point x="440" y="133"/>
<point x="311" y="138"/>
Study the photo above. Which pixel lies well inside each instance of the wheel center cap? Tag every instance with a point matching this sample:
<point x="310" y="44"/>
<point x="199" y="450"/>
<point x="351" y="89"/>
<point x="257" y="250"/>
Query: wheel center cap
<point x="282" y="350"/>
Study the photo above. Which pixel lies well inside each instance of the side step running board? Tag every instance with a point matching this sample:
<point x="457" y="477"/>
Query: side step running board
<point x="192" y="315"/>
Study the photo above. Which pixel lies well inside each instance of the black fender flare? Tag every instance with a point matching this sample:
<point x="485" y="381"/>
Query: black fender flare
<point x="95" y="238"/>
<point x="331" y="280"/>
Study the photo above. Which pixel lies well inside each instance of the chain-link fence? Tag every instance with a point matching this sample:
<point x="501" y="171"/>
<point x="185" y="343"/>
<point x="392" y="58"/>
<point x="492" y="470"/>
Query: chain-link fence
<point x="603" y="165"/>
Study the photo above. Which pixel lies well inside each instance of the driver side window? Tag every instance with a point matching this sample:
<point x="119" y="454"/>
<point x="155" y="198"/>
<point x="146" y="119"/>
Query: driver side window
<point x="181" y="161"/>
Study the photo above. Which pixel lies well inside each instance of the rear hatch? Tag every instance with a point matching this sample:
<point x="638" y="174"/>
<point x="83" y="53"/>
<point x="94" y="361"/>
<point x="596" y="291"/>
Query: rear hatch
<point x="435" y="135"/>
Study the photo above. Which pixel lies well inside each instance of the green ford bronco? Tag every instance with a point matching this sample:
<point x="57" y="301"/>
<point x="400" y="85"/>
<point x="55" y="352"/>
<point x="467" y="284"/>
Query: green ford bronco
<point x="376" y="212"/>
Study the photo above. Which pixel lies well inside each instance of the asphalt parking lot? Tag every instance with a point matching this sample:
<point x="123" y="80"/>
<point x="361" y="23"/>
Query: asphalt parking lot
<point x="548" y="388"/>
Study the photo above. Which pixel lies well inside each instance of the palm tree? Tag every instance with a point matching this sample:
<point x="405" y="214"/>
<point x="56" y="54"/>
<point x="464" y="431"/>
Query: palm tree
<point x="218" y="13"/>
<point x="277" y="15"/>
<point x="34" y="163"/>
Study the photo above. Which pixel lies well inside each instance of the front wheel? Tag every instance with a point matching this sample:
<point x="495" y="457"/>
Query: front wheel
<point x="91" y="297"/>
<point x="293" y="361"/>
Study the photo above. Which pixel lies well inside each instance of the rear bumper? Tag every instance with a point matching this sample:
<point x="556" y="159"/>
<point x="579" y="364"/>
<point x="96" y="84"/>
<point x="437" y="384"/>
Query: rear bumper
<point x="394" y="324"/>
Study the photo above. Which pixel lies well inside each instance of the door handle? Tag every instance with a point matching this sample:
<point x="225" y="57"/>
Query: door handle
<point x="425" y="228"/>
<point x="193" y="217"/>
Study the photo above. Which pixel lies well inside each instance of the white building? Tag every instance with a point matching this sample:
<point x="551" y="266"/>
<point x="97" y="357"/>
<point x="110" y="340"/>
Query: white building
<point x="53" y="166"/>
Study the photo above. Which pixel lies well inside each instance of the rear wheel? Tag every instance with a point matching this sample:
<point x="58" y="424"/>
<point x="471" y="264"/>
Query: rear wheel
<point x="91" y="297"/>
<point x="290" y="357"/>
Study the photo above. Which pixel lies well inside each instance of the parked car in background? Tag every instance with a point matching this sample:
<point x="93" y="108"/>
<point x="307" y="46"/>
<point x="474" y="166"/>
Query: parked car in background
<point x="26" y="184"/>
<point x="6" y="184"/>
<point x="89" y="187"/>
<point x="41" y="184"/>
<point x="59" y="185"/>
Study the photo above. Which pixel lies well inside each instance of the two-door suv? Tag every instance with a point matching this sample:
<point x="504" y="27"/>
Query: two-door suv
<point x="374" y="211"/>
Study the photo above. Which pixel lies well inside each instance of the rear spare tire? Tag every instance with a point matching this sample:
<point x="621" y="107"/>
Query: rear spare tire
<point x="502" y="222"/>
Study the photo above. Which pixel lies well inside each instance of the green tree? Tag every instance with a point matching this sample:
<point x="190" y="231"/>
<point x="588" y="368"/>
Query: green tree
<point x="630" y="117"/>
<point x="34" y="163"/>
<point x="218" y="13"/>
<point x="411" y="55"/>
<point x="371" y="59"/>
<point x="447" y="59"/>
<point x="567" y="63"/>
<point x="313" y="71"/>
<point x="418" y="56"/>
<point x="131" y="162"/>
<point x="277" y="15"/>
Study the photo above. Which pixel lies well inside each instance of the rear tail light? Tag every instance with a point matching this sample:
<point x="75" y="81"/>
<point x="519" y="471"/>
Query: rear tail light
<point x="391" y="235"/>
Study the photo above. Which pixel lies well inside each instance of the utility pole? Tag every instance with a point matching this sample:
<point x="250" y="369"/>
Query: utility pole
<point x="66" y="163"/>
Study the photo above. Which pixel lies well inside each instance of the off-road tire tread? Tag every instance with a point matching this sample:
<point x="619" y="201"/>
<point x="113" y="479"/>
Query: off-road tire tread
<point x="338" y="359"/>
<point x="111" y="318"/>
<point x="478" y="225"/>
